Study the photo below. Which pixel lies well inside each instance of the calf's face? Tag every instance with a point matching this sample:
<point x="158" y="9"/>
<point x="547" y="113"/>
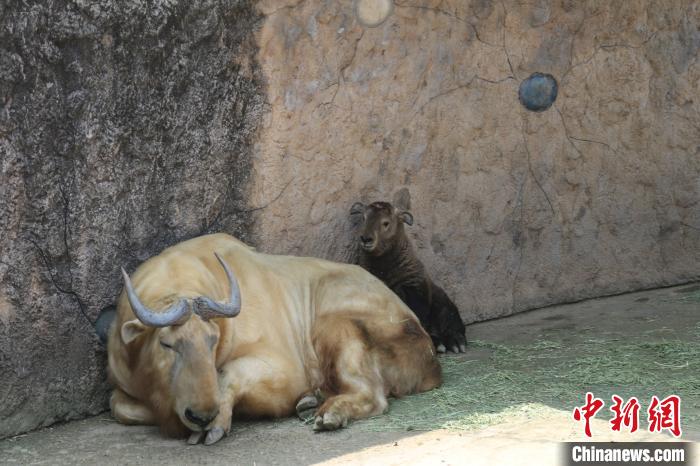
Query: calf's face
<point x="382" y="226"/>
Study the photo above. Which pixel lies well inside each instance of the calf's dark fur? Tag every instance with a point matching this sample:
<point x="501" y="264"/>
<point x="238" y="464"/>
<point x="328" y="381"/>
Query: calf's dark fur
<point x="386" y="252"/>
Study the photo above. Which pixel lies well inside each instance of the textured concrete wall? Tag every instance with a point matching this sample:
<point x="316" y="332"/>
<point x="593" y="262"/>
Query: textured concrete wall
<point x="125" y="126"/>
<point x="514" y="209"/>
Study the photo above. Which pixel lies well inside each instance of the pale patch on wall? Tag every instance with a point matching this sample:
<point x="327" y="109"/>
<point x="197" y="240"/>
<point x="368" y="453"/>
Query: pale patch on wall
<point x="372" y="13"/>
<point x="7" y="312"/>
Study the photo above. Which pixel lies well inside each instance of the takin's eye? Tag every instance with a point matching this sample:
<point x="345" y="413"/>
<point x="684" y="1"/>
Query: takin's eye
<point x="385" y="224"/>
<point x="165" y="345"/>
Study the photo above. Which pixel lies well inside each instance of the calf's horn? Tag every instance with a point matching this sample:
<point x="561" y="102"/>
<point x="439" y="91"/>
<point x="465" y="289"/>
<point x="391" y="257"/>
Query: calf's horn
<point x="207" y="308"/>
<point x="357" y="208"/>
<point x="176" y="314"/>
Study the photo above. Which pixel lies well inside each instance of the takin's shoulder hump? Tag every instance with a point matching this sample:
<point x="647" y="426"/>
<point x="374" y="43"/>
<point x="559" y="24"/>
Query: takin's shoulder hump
<point x="205" y="246"/>
<point x="209" y="242"/>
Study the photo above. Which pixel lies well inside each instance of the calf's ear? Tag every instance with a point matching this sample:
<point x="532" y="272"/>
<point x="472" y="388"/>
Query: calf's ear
<point x="357" y="208"/>
<point x="406" y="217"/>
<point x="131" y="330"/>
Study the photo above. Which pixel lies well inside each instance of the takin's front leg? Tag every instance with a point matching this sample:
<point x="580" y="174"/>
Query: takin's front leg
<point x="255" y="386"/>
<point x="128" y="410"/>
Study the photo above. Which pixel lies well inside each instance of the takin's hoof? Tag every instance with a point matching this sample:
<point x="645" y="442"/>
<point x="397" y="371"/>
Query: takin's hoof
<point x="195" y="438"/>
<point x="441" y="348"/>
<point x="308" y="403"/>
<point x="213" y="436"/>
<point x="329" y="421"/>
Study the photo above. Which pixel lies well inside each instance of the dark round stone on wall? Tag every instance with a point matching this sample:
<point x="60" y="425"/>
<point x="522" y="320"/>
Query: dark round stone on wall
<point x="538" y="92"/>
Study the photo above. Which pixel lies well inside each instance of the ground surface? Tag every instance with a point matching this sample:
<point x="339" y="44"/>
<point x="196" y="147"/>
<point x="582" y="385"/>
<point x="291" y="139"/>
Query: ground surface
<point x="507" y="401"/>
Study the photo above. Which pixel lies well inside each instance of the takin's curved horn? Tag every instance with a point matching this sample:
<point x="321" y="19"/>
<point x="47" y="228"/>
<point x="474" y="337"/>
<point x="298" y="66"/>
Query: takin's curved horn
<point x="176" y="314"/>
<point x="207" y="308"/>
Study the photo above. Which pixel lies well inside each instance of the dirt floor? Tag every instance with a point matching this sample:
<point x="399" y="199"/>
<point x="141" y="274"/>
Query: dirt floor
<point x="507" y="401"/>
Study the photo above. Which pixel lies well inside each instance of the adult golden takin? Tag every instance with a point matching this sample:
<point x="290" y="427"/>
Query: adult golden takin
<point x="210" y="328"/>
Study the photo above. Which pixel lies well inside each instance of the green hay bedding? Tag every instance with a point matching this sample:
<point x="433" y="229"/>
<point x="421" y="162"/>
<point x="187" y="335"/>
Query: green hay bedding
<point x="690" y="297"/>
<point x="531" y="380"/>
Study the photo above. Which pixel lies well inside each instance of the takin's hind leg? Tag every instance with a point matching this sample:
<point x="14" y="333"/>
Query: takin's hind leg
<point x="353" y="374"/>
<point x="128" y="410"/>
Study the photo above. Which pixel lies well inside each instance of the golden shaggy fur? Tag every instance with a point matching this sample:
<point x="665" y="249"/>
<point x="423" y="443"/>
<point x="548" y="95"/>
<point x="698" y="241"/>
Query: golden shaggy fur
<point x="306" y="325"/>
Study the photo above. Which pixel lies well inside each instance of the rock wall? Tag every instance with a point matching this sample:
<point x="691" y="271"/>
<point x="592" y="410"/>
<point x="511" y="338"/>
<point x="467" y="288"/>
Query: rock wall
<point x="599" y="194"/>
<point x="125" y="126"/>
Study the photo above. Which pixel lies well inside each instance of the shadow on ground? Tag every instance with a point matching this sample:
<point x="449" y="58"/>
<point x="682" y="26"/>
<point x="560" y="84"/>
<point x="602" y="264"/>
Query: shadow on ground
<point x="517" y="370"/>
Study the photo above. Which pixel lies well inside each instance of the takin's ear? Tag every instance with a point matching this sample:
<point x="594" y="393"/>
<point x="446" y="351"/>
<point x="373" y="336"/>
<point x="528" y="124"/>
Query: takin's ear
<point x="132" y="330"/>
<point x="357" y="208"/>
<point x="406" y="217"/>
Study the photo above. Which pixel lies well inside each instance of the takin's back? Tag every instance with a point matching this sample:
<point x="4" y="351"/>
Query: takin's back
<point x="294" y="290"/>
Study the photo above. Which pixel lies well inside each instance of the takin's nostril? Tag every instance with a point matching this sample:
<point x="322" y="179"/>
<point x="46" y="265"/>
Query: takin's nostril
<point x="201" y="419"/>
<point x="366" y="239"/>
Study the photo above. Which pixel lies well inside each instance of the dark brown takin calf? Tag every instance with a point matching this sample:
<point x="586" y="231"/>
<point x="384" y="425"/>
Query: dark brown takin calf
<point x="386" y="252"/>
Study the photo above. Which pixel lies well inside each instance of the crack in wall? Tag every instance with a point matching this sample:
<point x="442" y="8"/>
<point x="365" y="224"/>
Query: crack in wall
<point x="68" y="288"/>
<point x="341" y="73"/>
<point x="269" y="203"/>
<point x="48" y="264"/>
<point x="460" y="87"/>
<point x="532" y="173"/>
<point x="451" y="15"/>
<point x="472" y="27"/>
<point x="520" y="204"/>
<point x="505" y="45"/>
<point x="598" y="49"/>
